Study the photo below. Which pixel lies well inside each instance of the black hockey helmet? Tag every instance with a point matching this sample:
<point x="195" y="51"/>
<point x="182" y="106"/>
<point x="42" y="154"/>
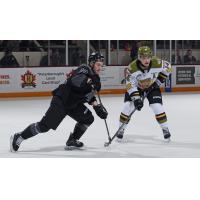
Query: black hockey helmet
<point x="94" y="57"/>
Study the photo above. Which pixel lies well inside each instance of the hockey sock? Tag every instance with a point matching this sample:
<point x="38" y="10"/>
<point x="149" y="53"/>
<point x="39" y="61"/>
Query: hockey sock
<point x="19" y="140"/>
<point x="30" y="131"/>
<point x="160" y="114"/>
<point x="79" y="130"/>
<point x="124" y="119"/>
<point x="162" y="119"/>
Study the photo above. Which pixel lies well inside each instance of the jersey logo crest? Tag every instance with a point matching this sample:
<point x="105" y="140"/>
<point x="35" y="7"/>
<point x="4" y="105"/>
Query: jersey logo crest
<point x="144" y="84"/>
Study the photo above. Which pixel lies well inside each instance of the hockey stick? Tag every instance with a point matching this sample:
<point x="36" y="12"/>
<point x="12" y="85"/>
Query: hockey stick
<point x="106" y="144"/>
<point x="109" y="138"/>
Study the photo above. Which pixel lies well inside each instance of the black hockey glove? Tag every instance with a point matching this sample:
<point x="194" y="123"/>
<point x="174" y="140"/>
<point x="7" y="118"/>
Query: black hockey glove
<point x="101" y="111"/>
<point x="92" y="100"/>
<point x="138" y="103"/>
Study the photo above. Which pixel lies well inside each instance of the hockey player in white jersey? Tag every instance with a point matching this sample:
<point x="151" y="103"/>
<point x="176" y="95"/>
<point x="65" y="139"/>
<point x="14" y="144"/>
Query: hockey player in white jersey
<point x="147" y="73"/>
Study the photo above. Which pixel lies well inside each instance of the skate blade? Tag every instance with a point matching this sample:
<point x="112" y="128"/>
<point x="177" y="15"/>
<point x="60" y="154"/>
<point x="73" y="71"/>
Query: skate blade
<point x="70" y="148"/>
<point x="168" y="140"/>
<point x="120" y="140"/>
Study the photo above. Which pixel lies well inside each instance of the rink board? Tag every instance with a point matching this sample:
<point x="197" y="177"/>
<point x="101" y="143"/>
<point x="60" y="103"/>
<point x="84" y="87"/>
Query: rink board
<point x="40" y="81"/>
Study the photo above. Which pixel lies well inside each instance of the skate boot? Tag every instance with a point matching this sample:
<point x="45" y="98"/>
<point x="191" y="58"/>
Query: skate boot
<point x="166" y="134"/>
<point x="15" y="141"/>
<point x="73" y="143"/>
<point x="120" y="135"/>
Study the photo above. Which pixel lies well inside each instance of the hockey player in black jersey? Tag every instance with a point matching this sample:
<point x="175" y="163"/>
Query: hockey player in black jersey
<point x="68" y="99"/>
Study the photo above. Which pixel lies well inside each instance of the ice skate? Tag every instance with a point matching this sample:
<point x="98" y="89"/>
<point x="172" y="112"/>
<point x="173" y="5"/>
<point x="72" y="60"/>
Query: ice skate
<point x="15" y="141"/>
<point x="166" y="135"/>
<point x="73" y="143"/>
<point x="120" y="135"/>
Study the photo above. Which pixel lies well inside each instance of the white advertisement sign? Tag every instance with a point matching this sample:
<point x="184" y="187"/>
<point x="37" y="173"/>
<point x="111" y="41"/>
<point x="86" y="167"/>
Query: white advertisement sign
<point x="40" y="79"/>
<point x="32" y="79"/>
<point x="112" y="77"/>
<point x="8" y="80"/>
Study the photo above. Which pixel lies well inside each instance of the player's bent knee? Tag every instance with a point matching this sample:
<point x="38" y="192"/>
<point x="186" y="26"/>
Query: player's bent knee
<point x="87" y="120"/>
<point x="90" y="120"/>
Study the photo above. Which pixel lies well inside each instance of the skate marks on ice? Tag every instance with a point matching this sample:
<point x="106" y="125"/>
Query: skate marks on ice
<point x="175" y="148"/>
<point x="152" y="139"/>
<point x="132" y="146"/>
<point x="143" y="142"/>
<point x="87" y="152"/>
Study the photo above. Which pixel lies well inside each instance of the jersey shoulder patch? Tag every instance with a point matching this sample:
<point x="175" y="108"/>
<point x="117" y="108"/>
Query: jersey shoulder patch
<point x="156" y="62"/>
<point x="83" y="69"/>
<point x="133" y="66"/>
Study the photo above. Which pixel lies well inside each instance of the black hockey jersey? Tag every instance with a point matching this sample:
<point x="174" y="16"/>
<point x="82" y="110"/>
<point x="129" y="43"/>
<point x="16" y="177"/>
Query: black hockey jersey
<point x="79" y="87"/>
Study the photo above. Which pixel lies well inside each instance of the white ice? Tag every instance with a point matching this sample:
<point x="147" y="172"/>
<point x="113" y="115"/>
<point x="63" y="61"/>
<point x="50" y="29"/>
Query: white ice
<point x="143" y="137"/>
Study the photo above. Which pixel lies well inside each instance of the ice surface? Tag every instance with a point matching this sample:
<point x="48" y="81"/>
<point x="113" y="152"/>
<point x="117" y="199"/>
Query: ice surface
<point x="143" y="137"/>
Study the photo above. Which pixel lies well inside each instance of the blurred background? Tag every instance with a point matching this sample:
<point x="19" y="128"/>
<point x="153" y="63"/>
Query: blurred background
<point x="29" y="53"/>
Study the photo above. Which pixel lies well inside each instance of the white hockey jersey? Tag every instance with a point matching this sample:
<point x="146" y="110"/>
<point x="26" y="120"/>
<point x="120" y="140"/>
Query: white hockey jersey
<point x="158" y="71"/>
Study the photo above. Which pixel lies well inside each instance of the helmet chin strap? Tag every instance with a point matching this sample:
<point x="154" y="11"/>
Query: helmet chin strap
<point x="91" y="64"/>
<point x="143" y="66"/>
<point x="146" y="67"/>
<point x="92" y="67"/>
